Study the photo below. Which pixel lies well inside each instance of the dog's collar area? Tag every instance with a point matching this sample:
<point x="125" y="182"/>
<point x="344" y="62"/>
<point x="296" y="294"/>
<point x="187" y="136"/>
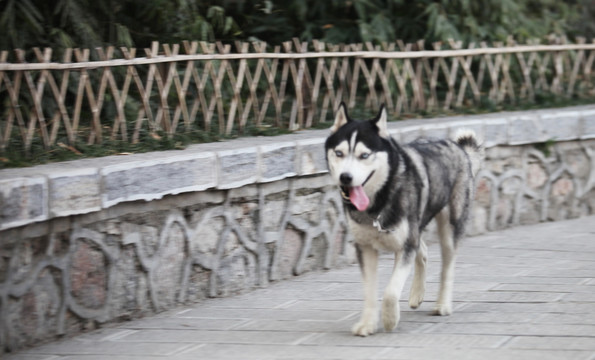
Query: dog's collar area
<point x="378" y="226"/>
<point x="368" y="178"/>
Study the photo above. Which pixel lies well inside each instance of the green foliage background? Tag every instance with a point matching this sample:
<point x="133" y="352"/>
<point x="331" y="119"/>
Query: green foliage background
<point x="87" y="24"/>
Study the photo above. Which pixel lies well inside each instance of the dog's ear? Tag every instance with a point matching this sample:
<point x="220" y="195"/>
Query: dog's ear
<point x="380" y="122"/>
<point x="341" y="118"/>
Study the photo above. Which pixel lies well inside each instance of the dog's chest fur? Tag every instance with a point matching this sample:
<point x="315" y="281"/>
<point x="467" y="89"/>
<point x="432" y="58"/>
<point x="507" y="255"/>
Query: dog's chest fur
<point x="366" y="234"/>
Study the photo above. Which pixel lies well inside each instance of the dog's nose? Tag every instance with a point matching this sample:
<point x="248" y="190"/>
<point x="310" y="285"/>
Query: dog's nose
<point x="346" y="178"/>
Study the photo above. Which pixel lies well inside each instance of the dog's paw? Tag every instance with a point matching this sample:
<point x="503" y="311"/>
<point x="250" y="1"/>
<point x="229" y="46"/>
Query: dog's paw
<point x="443" y="309"/>
<point x="364" y="327"/>
<point x="416" y="296"/>
<point x="390" y="312"/>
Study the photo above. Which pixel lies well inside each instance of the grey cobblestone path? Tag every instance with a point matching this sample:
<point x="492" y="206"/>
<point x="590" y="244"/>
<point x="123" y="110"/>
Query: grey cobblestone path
<point x="523" y="293"/>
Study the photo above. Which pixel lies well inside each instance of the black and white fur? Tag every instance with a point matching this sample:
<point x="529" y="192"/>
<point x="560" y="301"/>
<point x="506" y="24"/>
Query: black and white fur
<point x="391" y="192"/>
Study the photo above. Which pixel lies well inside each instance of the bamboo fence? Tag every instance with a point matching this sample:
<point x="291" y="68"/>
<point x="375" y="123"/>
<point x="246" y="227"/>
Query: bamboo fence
<point x="213" y="87"/>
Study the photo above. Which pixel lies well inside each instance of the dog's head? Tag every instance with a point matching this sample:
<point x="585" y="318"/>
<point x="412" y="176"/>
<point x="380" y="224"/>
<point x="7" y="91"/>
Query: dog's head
<point x="357" y="156"/>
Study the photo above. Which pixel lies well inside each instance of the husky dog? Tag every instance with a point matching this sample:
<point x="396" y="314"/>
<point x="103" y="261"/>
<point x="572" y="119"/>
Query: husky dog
<point x="390" y="193"/>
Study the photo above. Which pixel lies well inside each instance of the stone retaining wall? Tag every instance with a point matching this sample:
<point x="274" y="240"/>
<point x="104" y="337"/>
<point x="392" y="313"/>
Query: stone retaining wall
<point x="99" y="240"/>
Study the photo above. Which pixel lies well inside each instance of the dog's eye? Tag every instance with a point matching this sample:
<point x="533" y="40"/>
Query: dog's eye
<point x="364" y="156"/>
<point x="339" y="153"/>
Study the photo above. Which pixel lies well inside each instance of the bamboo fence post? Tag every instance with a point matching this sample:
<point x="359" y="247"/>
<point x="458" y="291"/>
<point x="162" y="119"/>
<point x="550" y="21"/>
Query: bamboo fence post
<point x="149" y="81"/>
<point x="587" y="69"/>
<point x="421" y="65"/>
<point x="201" y="83"/>
<point x="386" y="94"/>
<point x="372" y="96"/>
<point x="225" y="68"/>
<point x="236" y="85"/>
<point x="575" y="68"/>
<point x="37" y="114"/>
<point x="330" y="97"/>
<point x="305" y="80"/>
<point x="434" y="78"/>
<point x="527" y="86"/>
<point x="119" y="97"/>
<point x="465" y="63"/>
<point x="189" y="75"/>
<point x="345" y="76"/>
<point x="408" y="73"/>
<point x="355" y="78"/>
<point x="59" y="96"/>
<point x="507" y="85"/>
<point x="146" y="109"/>
<point x="163" y="116"/>
<point x="15" y="108"/>
<point x="252" y="81"/>
<point x="271" y="93"/>
<point x="216" y="79"/>
<point x="5" y="134"/>
<point x="287" y="65"/>
<point x="318" y="47"/>
<point x="95" y="135"/>
<point x="181" y="89"/>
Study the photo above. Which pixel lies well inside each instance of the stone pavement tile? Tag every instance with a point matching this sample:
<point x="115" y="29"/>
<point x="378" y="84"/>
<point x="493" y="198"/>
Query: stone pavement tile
<point x="487" y="269"/>
<point x="353" y="293"/>
<point x="497" y="279"/>
<point x="106" y="348"/>
<point x="175" y="323"/>
<point x="343" y="327"/>
<point x="327" y="305"/>
<point x="569" y="273"/>
<point x="269" y="314"/>
<point x="508" y="296"/>
<point x="559" y="288"/>
<point x="577" y="319"/>
<point x="306" y="326"/>
<point x="341" y="276"/>
<point x="580" y="297"/>
<point x="573" y="256"/>
<point x="214" y="337"/>
<point x="464" y="317"/>
<point x="84" y="357"/>
<point x="432" y="353"/>
<point x="246" y="301"/>
<point x="21" y="356"/>
<point x="514" y="261"/>
<point x="410" y="340"/>
<point x="265" y="352"/>
<point x="555" y="307"/>
<point x="552" y="343"/>
<point x="513" y="329"/>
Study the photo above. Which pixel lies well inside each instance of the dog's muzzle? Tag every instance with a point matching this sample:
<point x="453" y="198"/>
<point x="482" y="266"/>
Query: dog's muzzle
<point x="345" y="189"/>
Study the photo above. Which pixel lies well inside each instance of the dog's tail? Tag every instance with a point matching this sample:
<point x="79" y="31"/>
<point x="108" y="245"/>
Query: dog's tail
<point x="469" y="141"/>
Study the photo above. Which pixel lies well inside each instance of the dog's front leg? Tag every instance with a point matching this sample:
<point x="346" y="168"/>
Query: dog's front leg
<point x="367" y="257"/>
<point x="418" y="286"/>
<point x="392" y="294"/>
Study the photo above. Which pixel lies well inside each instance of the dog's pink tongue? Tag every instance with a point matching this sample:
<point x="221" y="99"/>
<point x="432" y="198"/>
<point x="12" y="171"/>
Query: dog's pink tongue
<point x="359" y="198"/>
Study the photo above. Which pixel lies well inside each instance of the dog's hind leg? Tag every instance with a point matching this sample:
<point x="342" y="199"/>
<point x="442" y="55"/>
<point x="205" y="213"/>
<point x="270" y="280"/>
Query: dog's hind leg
<point x="448" y="251"/>
<point x="392" y="294"/>
<point x="418" y="286"/>
<point x="368" y="261"/>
